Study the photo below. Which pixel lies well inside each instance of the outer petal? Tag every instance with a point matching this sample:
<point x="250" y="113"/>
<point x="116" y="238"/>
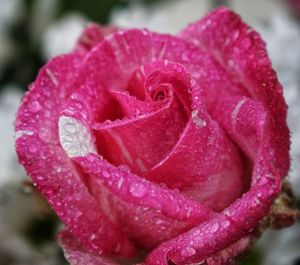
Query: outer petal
<point x="220" y="232"/>
<point x="237" y="220"/>
<point x="54" y="174"/>
<point x="92" y="35"/>
<point x="242" y="53"/>
<point x="77" y="255"/>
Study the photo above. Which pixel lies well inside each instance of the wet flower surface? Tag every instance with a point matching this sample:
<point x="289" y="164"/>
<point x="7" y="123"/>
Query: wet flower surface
<point x="171" y="145"/>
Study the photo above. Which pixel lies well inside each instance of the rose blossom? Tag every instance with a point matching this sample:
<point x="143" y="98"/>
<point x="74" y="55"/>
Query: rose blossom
<point x="174" y="146"/>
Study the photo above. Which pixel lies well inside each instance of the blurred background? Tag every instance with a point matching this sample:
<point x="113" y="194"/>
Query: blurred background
<point x="32" y="31"/>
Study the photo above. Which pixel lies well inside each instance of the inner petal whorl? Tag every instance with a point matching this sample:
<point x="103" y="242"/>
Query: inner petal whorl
<point x="154" y="117"/>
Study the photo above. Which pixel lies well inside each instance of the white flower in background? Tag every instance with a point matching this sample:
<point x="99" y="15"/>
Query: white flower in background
<point x="10" y="171"/>
<point x="165" y="16"/>
<point x="60" y="37"/>
<point x="173" y="15"/>
<point x="282" y="35"/>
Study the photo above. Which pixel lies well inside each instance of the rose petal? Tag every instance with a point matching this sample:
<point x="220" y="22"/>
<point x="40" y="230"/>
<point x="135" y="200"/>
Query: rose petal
<point x="134" y="189"/>
<point x="76" y="254"/>
<point x="92" y="35"/>
<point x="139" y="142"/>
<point x="244" y="119"/>
<point x="227" y="255"/>
<point x="133" y="107"/>
<point x="56" y="178"/>
<point x="237" y="220"/>
<point x="155" y="201"/>
<point x="220" y="232"/>
<point x="204" y="163"/>
<point x="125" y="52"/>
<point x="242" y="53"/>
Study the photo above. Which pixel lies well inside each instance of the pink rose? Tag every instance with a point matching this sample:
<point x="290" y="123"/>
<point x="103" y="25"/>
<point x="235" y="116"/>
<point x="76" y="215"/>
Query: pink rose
<point x="295" y="5"/>
<point x="174" y="146"/>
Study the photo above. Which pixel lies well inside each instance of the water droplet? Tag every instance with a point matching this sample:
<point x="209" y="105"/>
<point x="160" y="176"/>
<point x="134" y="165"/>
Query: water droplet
<point x="32" y="148"/>
<point x="58" y="168"/>
<point x="35" y="106"/>
<point x="235" y="35"/>
<point x="187" y="252"/>
<point x="214" y="227"/>
<point x="246" y="43"/>
<point x="225" y="223"/>
<point x="105" y="174"/>
<point x="70" y="127"/>
<point x="92" y="237"/>
<point x="124" y="167"/>
<point x="91" y="158"/>
<point x="120" y="182"/>
<point x="138" y="190"/>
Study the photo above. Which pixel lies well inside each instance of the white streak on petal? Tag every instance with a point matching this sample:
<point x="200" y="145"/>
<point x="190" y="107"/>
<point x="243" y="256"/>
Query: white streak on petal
<point x="121" y="145"/>
<point x="52" y="77"/>
<point x="235" y="112"/>
<point x="197" y="120"/>
<point x="75" y="138"/>
<point x="21" y="133"/>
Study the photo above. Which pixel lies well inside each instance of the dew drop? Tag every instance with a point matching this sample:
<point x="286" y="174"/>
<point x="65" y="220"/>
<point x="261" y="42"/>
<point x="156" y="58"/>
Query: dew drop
<point x="214" y="227"/>
<point x="71" y="128"/>
<point x="225" y="223"/>
<point x="32" y="148"/>
<point x="187" y="252"/>
<point x="105" y="174"/>
<point x="39" y="178"/>
<point x="35" y="106"/>
<point x="246" y="43"/>
<point x="124" y="167"/>
<point x="92" y="237"/>
<point x="138" y="190"/>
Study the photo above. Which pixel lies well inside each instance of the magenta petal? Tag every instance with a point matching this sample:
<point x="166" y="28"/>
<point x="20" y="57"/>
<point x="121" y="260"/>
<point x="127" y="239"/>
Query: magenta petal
<point x="139" y="142"/>
<point x="204" y="164"/>
<point x="76" y="254"/>
<point x="39" y="151"/>
<point x="136" y="190"/>
<point x="133" y="107"/>
<point x="225" y="256"/>
<point x="220" y="232"/>
<point x="244" y="119"/>
<point x="153" y="214"/>
<point x="242" y="53"/>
